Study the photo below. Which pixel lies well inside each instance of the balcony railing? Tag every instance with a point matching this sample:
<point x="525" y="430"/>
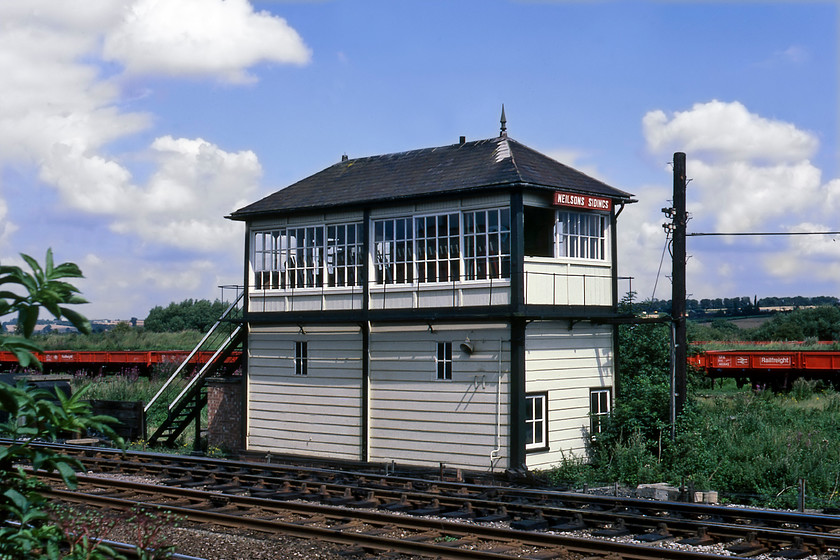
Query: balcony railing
<point x="541" y="288"/>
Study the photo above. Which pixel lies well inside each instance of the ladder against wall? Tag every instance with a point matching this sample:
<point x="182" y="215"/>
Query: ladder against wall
<point x="223" y="339"/>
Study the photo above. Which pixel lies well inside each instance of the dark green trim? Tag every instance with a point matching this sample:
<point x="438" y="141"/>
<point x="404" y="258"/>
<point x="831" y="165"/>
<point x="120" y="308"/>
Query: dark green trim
<point x="517" y="251"/>
<point x="602" y="314"/>
<point x="364" y="441"/>
<point x="517" y="395"/>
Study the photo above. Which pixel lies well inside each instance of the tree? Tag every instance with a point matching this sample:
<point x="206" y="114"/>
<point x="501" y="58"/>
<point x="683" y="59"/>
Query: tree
<point x="198" y="315"/>
<point x="34" y="414"/>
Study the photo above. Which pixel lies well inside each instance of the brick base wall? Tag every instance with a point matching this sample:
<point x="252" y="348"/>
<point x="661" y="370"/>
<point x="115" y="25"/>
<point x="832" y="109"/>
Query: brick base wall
<point x="224" y="413"/>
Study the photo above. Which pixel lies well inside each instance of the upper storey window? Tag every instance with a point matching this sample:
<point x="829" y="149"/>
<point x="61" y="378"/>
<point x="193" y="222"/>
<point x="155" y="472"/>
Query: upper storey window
<point x="487" y="244"/>
<point x="431" y="250"/>
<point x="581" y="235"/>
<point x="438" y="243"/>
<point x="393" y="251"/>
<point x="304" y="257"/>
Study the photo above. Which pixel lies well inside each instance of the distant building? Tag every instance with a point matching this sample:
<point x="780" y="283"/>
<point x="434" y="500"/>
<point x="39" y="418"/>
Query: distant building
<point x="444" y="305"/>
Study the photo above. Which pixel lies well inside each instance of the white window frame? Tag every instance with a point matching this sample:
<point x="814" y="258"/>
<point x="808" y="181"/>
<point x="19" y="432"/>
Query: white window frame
<point x="600" y="406"/>
<point x="582" y="235"/>
<point x="344" y="254"/>
<point x="300" y="257"/>
<point x="443" y="361"/>
<point x="536" y="421"/>
<point x="301" y="357"/>
<point x="487" y="243"/>
<point x="393" y="248"/>
<point x="437" y="248"/>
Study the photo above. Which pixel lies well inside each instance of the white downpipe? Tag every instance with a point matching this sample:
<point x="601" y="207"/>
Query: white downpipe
<point x="494" y="455"/>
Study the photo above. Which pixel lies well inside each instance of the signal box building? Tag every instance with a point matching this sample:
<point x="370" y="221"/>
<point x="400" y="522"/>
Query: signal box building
<point x="444" y="305"/>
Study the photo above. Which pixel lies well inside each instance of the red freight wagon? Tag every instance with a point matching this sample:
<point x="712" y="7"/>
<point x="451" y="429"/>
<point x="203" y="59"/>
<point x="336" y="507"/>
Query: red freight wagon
<point x="778" y="368"/>
<point x="97" y="361"/>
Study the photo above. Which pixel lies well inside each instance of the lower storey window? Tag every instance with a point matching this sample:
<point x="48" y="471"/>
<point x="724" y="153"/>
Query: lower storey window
<point x="301" y="358"/>
<point x="536" y="421"/>
<point x="444" y="361"/>
<point x="599" y="410"/>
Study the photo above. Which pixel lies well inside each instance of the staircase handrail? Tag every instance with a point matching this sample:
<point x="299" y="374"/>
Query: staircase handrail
<point x="195" y="350"/>
<point x="200" y="375"/>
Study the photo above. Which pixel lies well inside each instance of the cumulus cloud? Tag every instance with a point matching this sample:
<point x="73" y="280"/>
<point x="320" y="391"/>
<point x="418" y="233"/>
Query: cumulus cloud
<point x="727" y="132"/>
<point x="65" y="67"/>
<point x="748" y="173"/>
<point x="195" y="185"/>
<point x="201" y="37"/>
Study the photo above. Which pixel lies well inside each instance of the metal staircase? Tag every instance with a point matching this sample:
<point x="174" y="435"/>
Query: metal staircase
<point x="222" y="339"/>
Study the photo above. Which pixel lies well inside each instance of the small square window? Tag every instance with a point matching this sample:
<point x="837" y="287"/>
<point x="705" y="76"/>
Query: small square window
<point x="536" y="421"/>
<point x="599" y="410"/>
<point x="444" y="360"/>
<point x="301" y="358"/>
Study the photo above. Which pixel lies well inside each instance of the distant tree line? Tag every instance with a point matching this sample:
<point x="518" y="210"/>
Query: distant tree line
<point x="820" y="323"/>
<point x="732" y="307"/>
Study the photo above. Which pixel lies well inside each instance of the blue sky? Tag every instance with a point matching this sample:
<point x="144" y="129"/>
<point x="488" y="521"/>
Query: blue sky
<point x="128" y="130"/>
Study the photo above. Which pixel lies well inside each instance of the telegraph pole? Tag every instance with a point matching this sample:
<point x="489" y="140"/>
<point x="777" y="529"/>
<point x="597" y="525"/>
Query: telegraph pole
<point x="678" y="254"/>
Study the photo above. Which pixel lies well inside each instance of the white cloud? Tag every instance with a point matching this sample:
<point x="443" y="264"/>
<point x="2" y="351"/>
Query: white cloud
<point x="727" y="132"/>
<point x="748" y="174"/>
<point x="183" y="203"/>
<point x="64" y="66"/>
<point x="201" y="37"/>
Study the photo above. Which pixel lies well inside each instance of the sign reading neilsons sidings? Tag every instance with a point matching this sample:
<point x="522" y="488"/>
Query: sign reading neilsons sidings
<point x="582" y="201"/>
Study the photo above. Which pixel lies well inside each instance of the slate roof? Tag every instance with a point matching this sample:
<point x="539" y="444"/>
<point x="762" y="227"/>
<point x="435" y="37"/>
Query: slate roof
<point x="447" y="170"/>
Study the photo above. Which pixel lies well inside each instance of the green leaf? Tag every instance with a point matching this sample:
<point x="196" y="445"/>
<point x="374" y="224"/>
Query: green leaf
<point x="78" y="320"/>
<point x="28" y="318"/>
<point x="68" y="474"/>
<point x="18" y="499"/>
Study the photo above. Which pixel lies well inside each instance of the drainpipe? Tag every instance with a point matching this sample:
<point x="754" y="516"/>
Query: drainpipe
<point x="494" y="455"/>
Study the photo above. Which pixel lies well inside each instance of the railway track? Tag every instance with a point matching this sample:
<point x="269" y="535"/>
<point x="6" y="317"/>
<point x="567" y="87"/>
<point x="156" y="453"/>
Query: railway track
<point x="544" y="523"/>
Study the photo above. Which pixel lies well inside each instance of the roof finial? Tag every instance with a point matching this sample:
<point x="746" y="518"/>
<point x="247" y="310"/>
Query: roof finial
<point x="503" y="132"/>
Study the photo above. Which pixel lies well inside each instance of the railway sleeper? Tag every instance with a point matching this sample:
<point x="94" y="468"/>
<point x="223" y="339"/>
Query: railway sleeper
<point x="659" y="534"/>
<point x="400" y="505"/>
<point x="537" y="523"/>
<point x="795" y="551"/>
<point x="750" y="546"/>
<point x="550" y="554"/>
<point x="701" y="538"/>
<point x="575" y="523"/>
<point x="498" y="516"/>
<point x="617" y="529"/>
<point x="466" y="512"/>
<point x="368" y="502"/>
<point x="434" y="508"/>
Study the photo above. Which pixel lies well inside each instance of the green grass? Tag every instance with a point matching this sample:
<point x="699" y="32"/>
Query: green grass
<point x="750" y="447"/>
<point x="136" y="388"/>
<point x="120" y="339"/>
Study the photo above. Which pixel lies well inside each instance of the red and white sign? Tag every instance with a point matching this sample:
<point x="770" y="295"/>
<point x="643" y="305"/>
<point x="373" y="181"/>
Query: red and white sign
<point x="775" y="361"/>
<point x="582" y="201"/>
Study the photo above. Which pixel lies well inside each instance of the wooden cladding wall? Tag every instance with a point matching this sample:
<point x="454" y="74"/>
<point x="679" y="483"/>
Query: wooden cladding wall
<point x="417" y="419"/>
<point x="566" y="363"/>
<point x="317" y="414"/>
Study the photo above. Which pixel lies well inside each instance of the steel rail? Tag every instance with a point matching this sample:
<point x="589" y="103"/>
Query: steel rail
<point x="504" y="538"/>
<point x="556" y="508"/>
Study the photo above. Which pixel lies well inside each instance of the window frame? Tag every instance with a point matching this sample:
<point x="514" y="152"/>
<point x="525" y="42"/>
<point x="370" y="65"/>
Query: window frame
<point x="277" y="263"/>
<point x="483" y="261"/>
<point x="580" y="235"/>
<point x="443" y="361"/>
<point x="532" y="422"/>
<point x="596" y="416"/>
<point x="301" y="358"/>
